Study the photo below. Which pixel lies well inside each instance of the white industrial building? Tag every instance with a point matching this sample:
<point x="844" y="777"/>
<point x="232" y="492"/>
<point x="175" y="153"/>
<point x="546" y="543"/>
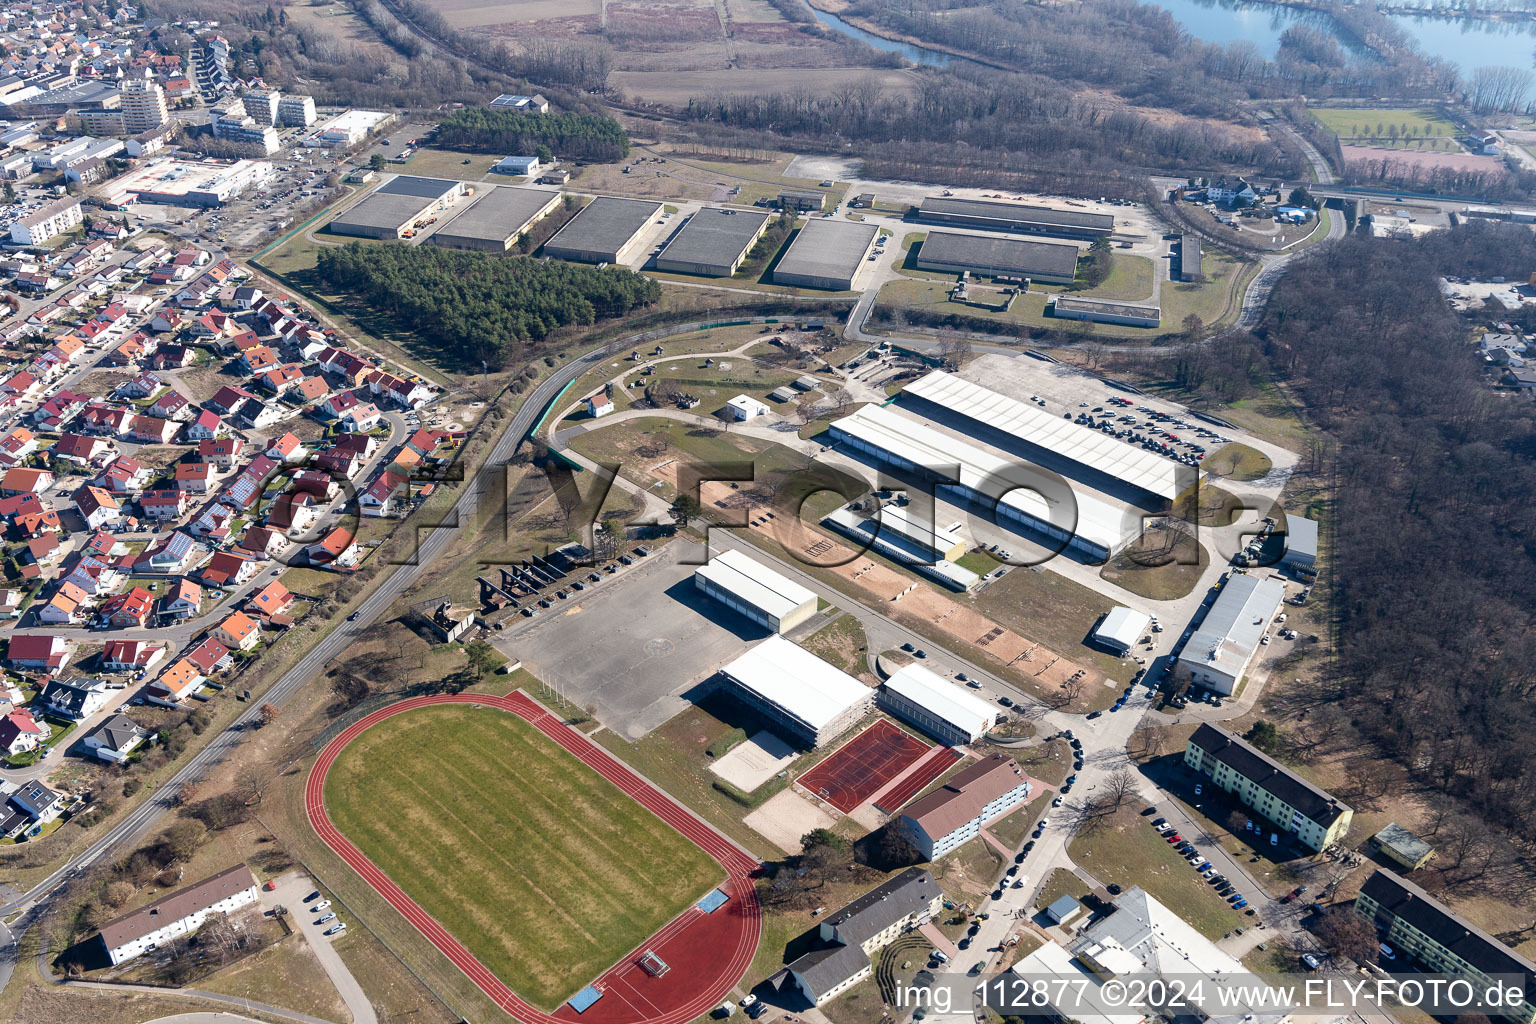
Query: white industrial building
<point x="921" y="546"/>
<point x="811" y="700"/>
<point x="1221" y="650"/>
<point x="747" y="586"/>
<point x="179" y="913"/>
<point x="349" y="128"/>
<point x="1121" y="629"/>
<point x="745" y="407"/>
<point x="1020" y="496"/>
<point x="1300" y="542"/>
<point x="1070" y="443"/>
<point x="944" y="710"/>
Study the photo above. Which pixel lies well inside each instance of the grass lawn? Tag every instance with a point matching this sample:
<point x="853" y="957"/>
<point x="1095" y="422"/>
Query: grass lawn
<point x="1125" y="849"/>
<point x="1372" y="127"/>
<point x="1151" y="569"/>
<point x="1062" y="883"/>
<point x="841" y="643"/>
<point x="1237" y="461"/>
<point x="1129" y="280"/>
<point x="544" y="870"/>
<point x="1013" y="829"/>
<point x="1052" y="609"/>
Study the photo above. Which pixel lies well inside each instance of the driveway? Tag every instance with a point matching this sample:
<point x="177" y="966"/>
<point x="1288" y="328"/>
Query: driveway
<point x="290" y="892"/>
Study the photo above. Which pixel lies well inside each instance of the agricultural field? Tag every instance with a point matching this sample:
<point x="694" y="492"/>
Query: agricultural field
<point x="1422" y="130"/>
<point x="545" y="871"/>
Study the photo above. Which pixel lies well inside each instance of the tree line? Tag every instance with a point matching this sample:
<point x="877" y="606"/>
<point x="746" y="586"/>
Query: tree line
<point x="478" y="305"/>
<point x="1433" y="508"/>
<point x="495" y="130"/>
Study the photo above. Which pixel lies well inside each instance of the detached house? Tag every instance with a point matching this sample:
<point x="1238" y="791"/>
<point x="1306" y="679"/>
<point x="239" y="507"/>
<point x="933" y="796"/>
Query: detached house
<point x="182" y="601"/>
<point x="97" y="507"/>
<point x="195" y="477"/>
<point x="114" y="739"/>
<point x="336" y="548"/>
<point x="174" y="685"/>
<point x="271" y="600"/>
<point x="19" y="732"/>
<point x="124" y="475"/>
<point x="238" y="632"/>
<point x="130" y="655"/>
<point x="163" y="505"/>
<point x="205" y="426"/>
<point x="38" y="652"/>
<point x="130" y="610"/>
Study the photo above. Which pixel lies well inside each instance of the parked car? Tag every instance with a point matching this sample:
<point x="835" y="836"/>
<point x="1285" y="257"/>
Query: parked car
<point x="1310" y="961"/>
<point x="336" y="929"/>
<point x="321" y="905"/>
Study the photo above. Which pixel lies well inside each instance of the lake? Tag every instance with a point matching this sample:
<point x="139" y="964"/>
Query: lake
<point x="915" y="54"/>
<point x="1468" y="42"/>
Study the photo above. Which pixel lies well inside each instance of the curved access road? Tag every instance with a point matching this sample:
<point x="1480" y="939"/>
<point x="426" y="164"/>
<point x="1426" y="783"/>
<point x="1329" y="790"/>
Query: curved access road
<point x="708" y="952"/>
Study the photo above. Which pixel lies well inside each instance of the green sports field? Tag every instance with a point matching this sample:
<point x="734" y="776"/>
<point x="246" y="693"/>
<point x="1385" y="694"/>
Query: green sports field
<point x="1395" y="128"/>
<point x="544" y="870"/>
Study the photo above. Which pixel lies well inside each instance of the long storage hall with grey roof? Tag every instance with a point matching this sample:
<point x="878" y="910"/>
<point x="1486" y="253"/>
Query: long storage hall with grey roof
<point x="713" y="242"/>
<point x="607" y="230"/>
<point x="1029" y="220"/>
<point x="1051" y="262"/>
<point x="395" y="206"/>
<point x="826" y="254"/>
<point x="496" y="219"/>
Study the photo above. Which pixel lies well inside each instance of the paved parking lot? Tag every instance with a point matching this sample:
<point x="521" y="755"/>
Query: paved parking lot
<point x="635" y="645"/>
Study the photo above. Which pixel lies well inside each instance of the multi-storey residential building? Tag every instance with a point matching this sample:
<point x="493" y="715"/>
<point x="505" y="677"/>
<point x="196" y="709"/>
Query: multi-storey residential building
<point x="56" y="217"/>
<point x="855" y="933"/>
<point x="1317" y="819"/>
<point x="234" y="125"/>
<point x="954" y="813"/>
<point x="179" y="913"/>
<point x="143" y="106"/>
<point x="262" y="104"/>
<point x="295" y="111"/>
<point x="1441" y="941"/>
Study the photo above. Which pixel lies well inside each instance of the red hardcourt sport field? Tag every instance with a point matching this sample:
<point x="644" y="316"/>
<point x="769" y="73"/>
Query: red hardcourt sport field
<point x="861" y="767"/>
<point x="932" y="767"/>
<point x="707" y="953"/>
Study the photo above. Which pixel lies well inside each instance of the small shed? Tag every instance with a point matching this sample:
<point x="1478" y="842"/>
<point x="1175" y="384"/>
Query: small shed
<point x="1063" y="910"/>
<point x="1121" y="628"/>
<point x="807" y="383"/>
<point x="784" y="394"/>
<point x="1402" y="847"/>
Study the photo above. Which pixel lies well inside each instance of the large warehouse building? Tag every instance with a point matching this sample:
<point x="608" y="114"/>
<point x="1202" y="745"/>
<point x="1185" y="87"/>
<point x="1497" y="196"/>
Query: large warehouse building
<point x="607" y="230"/>
<point x="185" y="183"/>
<point x="393" y="208"/>
<point x="1027" y="220"/>
<point x="764" y="595"/>
<point x="826" y="254"/>
<point x="944" y="710"/>
<point x="809" y="699"/>
<point x="497" y="219"/>
<point x="1221" y="650"/>
<point x="1019" y="496"/>
<point x="1059" y="444"/>
<point x="1050" y="262"/>
<point x="713" y="242"/>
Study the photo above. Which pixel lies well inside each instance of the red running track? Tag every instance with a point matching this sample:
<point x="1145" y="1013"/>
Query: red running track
<point x="709" y="953"/>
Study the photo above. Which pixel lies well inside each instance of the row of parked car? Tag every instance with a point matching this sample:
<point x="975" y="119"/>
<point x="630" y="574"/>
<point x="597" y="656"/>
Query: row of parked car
<point x="1201" y="864"/>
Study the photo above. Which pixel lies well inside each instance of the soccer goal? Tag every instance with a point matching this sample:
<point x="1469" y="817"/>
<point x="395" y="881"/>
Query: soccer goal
<point x="653" y="965"/>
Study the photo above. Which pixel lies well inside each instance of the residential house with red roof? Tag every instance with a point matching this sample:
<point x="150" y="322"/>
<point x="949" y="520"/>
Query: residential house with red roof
<point x="172" y="405"/>
<point x="183" y="600"/>
<point x="175" y="684"/>
<point x="211" y="656"/>
<point x="163" y="505"/>
<point x="238" y="632"/>
<point x="227" y="398"/>
<point x="196" y="477"/>
<point x="228" y="569"/>
<point x="130" y="655"/>
<point x="221" y="451"/>
<point x="97" y="507"/>
<point x="22" y="480"/>
<point x="65" y="608"/>
<point x="271" y="600"/>
<point x="152" y="430"/>
<point x="124" y="475"/>
<point x="293" y="512"/>
<point x="38" y="652"/>
<point x="381" y="496"/>
<point x="129" y="610"/>
<point x="336" y="548"/>
<point x="261" y="542"/>
<point x="17" y="445"/>
<point x="20" y="732"/>
<point x="81" y="450"/>
<point x="205" y="425"/>
<point x="286" y="448"/>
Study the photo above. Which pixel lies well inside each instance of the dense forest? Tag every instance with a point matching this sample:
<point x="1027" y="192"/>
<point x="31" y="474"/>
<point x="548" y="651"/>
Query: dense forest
<point x="478" y="305"/>
<point x="1434" y="513"/>
<point x="594" y="137"/>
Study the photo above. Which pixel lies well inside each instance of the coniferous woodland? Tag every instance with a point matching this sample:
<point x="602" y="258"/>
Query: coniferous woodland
<point x="479" y="305"/>
<point x="572" y="136"/>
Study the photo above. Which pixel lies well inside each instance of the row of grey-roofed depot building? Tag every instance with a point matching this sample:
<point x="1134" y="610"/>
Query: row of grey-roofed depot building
<point x="714" y="242"/>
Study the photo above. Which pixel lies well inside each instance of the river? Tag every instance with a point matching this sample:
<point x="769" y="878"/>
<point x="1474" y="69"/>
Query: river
<point x="1469" y="42"/>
